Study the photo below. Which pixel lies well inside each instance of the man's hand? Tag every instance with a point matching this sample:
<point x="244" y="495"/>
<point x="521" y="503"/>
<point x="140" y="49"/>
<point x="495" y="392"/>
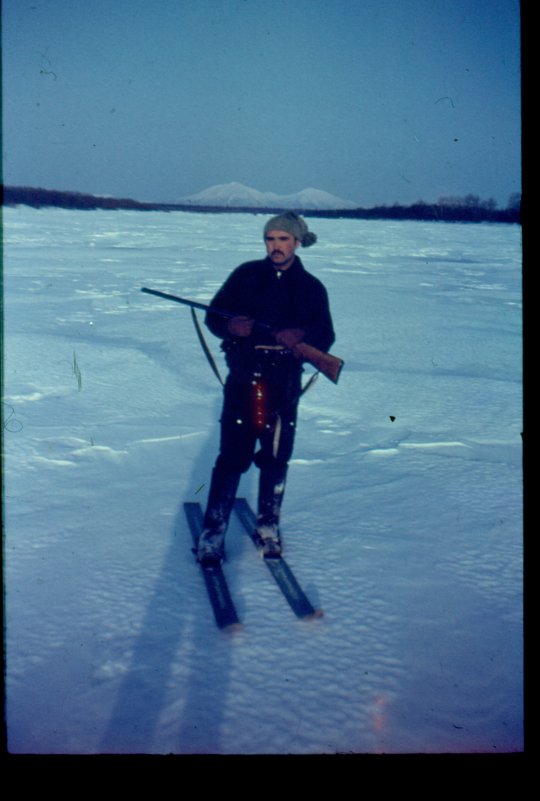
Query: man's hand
<point x="289" y="337"/>
<point x="240" y="326"/>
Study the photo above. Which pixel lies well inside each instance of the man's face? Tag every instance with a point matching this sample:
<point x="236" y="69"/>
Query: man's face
<point x="281" y="248"/>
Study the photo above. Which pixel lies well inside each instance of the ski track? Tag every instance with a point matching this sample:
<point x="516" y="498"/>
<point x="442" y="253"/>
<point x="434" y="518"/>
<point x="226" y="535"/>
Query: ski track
<point x="402" y="517"/>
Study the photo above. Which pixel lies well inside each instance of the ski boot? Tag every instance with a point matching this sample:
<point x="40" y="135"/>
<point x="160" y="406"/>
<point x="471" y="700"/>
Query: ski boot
<point x="271" y="490"/>
<point x="210" y="547"/>
<point x="210" y="551"/>
<point x="269" y="539"/>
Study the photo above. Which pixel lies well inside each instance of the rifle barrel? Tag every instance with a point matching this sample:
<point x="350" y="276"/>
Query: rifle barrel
<point x="185" y="301"/>
<point x="203" y="306"/>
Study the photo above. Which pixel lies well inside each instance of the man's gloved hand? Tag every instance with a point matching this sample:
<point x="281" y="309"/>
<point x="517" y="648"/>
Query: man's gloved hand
<point x="289" y="337"/>
<point x="240" y="326"/>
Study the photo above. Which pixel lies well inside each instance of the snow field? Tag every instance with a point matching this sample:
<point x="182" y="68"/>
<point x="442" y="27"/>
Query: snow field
<point x="402" y="516"/>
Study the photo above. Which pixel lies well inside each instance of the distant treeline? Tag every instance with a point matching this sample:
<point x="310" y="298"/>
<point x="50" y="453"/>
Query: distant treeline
<point x="447" y="209"/>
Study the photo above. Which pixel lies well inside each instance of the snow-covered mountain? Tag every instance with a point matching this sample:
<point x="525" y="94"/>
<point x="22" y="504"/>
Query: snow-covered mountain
<point x="237" y="195"/>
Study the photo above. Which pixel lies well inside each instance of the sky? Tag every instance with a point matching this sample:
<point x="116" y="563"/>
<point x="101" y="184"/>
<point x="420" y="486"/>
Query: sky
<point x="374" y="101"/>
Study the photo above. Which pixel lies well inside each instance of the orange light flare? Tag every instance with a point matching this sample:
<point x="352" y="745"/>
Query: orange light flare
<point x="378" y="715"/>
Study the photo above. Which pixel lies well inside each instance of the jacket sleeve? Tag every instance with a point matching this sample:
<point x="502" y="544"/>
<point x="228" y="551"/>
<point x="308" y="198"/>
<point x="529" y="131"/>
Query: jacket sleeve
<point x="227" y="299"/>
<point x="320" y="329"/>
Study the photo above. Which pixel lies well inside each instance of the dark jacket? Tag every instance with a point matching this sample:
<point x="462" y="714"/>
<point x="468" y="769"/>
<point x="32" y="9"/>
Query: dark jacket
<point x="290" y="298"/>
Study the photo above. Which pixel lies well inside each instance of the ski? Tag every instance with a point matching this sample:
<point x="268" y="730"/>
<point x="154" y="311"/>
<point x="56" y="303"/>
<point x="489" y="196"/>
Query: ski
<point x="214" y="578"/>
<point x="278" y="567"/>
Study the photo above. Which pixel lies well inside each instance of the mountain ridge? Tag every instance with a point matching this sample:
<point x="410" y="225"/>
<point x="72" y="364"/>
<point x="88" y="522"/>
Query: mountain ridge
<point x="235" y="194"/>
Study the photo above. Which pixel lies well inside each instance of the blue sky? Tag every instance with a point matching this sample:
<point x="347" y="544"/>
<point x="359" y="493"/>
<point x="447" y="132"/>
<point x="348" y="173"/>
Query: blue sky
<point x="375" y="101"/>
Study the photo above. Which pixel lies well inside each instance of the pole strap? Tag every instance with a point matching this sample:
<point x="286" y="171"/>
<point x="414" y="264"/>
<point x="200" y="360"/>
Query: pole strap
<point x="206" y="349"/>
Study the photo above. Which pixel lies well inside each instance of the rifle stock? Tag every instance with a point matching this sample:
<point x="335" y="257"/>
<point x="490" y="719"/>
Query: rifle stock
<point x="327" y="364"/>
<point x="330" y="366"/>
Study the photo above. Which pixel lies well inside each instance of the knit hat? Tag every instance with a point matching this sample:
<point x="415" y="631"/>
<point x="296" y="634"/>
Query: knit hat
<point x="294" y="225"/>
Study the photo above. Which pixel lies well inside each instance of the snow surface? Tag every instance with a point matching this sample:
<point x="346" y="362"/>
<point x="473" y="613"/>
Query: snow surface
<point x="402" y="517"/>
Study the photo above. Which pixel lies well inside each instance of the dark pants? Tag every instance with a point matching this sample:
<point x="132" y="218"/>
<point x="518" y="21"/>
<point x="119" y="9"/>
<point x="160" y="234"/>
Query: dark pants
<point x="259" y="409"/>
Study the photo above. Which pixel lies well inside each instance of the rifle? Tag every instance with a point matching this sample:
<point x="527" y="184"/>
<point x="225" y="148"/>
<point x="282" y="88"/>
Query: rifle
<point x="328" y="365"/>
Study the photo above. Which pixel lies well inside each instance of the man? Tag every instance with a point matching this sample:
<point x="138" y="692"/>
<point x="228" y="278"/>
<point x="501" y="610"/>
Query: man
<point x="263" y="387"/>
